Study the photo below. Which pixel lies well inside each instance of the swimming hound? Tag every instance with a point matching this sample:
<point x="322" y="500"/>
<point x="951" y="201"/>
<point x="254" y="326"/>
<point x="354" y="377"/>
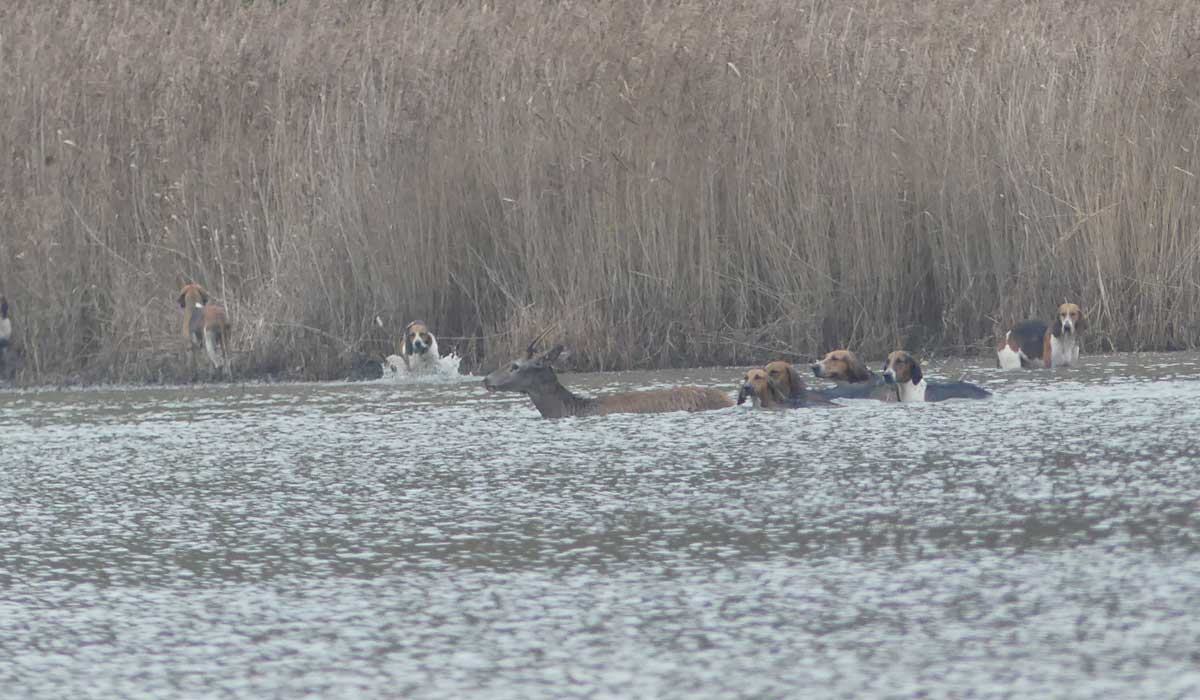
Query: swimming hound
<point x="903" y="372"/>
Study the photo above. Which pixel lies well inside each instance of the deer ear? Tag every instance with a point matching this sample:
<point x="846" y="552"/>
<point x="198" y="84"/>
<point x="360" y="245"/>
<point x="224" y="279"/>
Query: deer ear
<point x="552" y="354"/>
<point x="916" y="372"/>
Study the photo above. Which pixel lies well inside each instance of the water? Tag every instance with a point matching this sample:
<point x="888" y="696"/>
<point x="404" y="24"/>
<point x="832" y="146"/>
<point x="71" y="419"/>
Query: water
<point x="440" y="369"/>
<point x="431" y="541"/>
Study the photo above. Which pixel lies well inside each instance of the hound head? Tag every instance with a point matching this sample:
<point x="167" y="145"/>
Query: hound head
<point x="785" y="379"/>
<point x="756" y="386"/>
<point x="841" y="366"/>
<point x="1070" y="319"/>
<point x="901" y="367"/>
<point x="417" y="338"/>
<point x="526" y="373"/>
<point x="192" y="295"/>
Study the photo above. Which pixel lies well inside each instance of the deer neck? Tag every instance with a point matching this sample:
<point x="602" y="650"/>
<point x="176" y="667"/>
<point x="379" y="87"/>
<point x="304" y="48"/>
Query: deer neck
<point x="556" y="401"/>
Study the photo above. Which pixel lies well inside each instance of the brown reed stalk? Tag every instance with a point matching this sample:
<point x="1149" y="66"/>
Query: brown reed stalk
<point x="667" y="183"/>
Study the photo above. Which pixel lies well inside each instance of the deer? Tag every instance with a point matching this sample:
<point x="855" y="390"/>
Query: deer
<point x="534" y="376"/>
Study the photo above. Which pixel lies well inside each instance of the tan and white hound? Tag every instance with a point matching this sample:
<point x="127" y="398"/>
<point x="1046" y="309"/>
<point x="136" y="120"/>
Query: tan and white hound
<point x="204" y="324"/>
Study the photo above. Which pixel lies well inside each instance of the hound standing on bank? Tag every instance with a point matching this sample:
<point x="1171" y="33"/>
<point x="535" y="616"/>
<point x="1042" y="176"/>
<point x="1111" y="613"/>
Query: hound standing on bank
<point x="5" y="332"/>
<point x="1055" y="344"/>
<point x="5" y="325"/>
<point x="204" y="324"/>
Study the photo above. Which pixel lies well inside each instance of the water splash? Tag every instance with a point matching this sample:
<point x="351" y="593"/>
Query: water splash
<point x="444" y="370"/>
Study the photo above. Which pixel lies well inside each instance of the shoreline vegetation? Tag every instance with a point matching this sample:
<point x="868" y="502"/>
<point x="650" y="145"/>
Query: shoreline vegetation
<point x="658" y="184"/>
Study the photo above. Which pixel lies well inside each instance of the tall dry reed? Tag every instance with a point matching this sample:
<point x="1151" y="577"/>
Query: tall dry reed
<point x="660" y="183"/>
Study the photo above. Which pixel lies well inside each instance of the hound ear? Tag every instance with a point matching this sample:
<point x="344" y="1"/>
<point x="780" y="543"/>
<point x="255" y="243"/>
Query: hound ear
<point x="795" y="383"/>
<point x="182" y="304"/>
<point x="1056" y="329"/>
<point x="1082" y="322"/>
<point x="856" y="370"/>
<point x="776" y="394"/>
<point x="916" y="372"/>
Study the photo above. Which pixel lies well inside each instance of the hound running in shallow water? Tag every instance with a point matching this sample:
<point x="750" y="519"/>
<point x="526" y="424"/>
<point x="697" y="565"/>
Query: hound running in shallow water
<point x="1056" y="344"/>
<point x="204" y="324"/>
<point x="534" y="376"/>
<point x="903" y="372"/>
<point x="419" y="352"/>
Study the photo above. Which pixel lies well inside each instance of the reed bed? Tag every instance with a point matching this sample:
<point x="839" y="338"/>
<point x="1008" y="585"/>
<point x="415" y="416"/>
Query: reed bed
<point x="656" y="183"/>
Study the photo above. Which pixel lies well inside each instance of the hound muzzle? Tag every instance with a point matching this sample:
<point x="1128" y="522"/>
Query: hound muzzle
<point x="746" y="391"/>
<point x="889" y="375"/>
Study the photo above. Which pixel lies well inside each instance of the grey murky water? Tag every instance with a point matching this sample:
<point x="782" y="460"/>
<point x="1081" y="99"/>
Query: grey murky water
<point x="430" y="540"/>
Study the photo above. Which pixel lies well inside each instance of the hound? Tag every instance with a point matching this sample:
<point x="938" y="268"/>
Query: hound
<point x="854" y="380"/>
<point x="534" y="376"/>
<point x="419" y="351"/>
<point x="756" y="387"/>
<point x="764" y="391"/>
<point x="204" y="324"/>
<point x="1056" y="344"/>
<point x="5" y="334"/>
<point x="903" y="372"/>
<point x="788" y="382"/>
<point x="5" y="326"/>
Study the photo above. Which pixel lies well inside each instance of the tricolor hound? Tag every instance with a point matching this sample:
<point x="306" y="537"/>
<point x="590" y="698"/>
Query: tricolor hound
<point x="420" y="349"/>
<point x="903" y="372"/>
<point x="5" y="334"/>
<point x="1056" y="344"/>
<point x="5" y="326"/>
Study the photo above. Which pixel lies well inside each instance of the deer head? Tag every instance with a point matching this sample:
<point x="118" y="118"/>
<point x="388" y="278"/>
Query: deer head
<point x="531" y="373"/>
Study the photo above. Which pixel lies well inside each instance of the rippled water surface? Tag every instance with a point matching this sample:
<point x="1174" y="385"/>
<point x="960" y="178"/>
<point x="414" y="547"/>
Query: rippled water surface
<point x="430" y="540"/>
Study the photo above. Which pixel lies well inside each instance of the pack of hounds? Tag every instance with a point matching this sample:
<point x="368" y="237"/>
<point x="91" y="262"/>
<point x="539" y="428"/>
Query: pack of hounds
<point x="778" y="385"/>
